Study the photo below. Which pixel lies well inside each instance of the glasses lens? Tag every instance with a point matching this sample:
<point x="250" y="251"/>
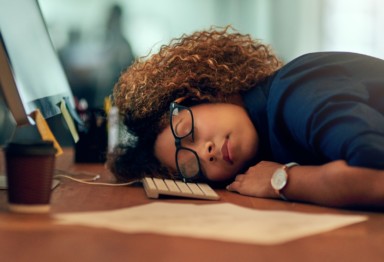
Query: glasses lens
<point x="187" y="163"/>
<point x="181" y="122"/>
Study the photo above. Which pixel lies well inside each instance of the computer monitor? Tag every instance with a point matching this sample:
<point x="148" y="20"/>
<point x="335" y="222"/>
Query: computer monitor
<point x="31" y="76"/>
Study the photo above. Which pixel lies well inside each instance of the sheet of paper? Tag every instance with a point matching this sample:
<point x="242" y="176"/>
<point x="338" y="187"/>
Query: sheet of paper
<point x="224" y="222"/>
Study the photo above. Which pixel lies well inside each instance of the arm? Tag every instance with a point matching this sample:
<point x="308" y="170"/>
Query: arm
<point x="334" y="184"/>
<point x="325" y="108"/>
<point x="328" y="107"/>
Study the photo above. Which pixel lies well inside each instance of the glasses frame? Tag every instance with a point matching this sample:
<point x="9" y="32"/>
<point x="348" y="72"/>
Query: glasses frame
<point x="178" y="139"/>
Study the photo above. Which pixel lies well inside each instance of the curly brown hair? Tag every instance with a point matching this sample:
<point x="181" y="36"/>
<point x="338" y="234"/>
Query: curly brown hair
<point x="209" y="66"/>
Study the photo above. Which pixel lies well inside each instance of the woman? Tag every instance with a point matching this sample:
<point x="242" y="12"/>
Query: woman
<point x="219" y="106"/>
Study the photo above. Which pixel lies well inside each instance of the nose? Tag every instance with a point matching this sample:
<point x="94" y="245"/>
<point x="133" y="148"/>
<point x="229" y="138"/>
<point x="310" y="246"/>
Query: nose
<point x="208" y="152"/>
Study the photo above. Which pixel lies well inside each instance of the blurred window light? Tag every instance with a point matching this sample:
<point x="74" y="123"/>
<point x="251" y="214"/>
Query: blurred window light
<point x="354" y="25"/>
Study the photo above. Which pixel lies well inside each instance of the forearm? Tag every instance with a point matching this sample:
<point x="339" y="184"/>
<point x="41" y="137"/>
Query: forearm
<point x="336" y="184"/>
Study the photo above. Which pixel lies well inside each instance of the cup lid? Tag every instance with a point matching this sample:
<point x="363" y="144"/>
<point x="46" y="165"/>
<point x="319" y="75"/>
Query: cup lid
<point x="38" y="148"/>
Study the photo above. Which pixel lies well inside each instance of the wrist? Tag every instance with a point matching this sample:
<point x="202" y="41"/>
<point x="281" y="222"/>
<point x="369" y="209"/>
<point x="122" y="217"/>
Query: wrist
<point x="280" y="179"/>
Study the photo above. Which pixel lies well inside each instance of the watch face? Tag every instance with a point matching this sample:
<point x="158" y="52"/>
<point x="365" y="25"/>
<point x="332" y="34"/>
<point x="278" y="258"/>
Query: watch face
<point x="279" y="179"/>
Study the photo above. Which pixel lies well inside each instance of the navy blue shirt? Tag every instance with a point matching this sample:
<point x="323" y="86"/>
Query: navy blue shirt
<point x="321" y="107"/>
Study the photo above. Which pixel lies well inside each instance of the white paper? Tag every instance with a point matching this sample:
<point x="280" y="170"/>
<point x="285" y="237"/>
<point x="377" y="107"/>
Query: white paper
<point x="225" y="222"/>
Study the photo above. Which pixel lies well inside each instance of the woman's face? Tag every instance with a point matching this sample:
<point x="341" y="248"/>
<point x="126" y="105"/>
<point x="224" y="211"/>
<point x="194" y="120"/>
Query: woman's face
<point x="224" y="139"/>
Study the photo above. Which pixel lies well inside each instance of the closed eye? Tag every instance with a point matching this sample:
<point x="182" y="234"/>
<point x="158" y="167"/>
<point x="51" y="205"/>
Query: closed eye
<point x="181" y="128"/>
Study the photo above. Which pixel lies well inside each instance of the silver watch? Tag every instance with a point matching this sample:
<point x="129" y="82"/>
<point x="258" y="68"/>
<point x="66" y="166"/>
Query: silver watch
<point x="280" y="179"/>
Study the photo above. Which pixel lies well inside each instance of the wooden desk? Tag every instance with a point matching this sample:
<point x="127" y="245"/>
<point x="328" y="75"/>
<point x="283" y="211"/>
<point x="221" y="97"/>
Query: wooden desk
<point x="36" y="237"/>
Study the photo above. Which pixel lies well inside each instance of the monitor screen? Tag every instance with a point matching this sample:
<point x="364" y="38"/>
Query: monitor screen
<point x="31" y="75"/>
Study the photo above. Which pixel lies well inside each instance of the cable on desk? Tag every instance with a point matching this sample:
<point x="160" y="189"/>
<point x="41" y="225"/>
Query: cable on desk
<point x="88" y="181"/>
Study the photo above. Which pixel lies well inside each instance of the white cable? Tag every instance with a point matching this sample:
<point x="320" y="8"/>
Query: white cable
<point x="89" y="181"/>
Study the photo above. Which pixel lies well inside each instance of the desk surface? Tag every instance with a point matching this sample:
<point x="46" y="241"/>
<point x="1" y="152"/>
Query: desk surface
<point x="25" y="237"/>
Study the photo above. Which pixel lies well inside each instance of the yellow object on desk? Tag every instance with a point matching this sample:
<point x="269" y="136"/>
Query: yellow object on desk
<point x="68" y="119"/>
<point x="45" y="131"/>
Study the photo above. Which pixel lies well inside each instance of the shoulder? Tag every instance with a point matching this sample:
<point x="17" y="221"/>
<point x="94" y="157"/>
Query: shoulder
<point x="331" y="72"/>
<point x="332" y="57"/>
<point x="306" y="85"/>
<point x="333" y="63"/>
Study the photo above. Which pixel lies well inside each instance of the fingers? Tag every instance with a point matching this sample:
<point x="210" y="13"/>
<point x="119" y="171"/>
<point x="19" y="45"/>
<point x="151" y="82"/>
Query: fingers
<point x="239" y="178"/>
<point x="235" y="185"/>
<point x="231" y="187"/>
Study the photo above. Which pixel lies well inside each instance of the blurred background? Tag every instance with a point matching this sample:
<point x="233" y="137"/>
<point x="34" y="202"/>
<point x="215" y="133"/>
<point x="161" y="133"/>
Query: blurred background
<point x="96" y="39"/>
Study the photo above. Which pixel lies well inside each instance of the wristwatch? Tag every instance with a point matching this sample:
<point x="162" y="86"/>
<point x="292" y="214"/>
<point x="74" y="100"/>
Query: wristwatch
<point x="280" y="179"/>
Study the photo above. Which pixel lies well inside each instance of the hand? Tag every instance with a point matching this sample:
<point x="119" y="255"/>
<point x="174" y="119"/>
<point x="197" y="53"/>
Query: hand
<point x="256" y="181"/>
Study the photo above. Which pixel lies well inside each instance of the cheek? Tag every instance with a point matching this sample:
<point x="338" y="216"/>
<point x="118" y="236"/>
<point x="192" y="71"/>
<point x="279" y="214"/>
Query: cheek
<point x="165" y="149"/>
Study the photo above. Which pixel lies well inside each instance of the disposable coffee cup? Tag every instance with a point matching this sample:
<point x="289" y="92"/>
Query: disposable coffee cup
<point x="29" y="170"/>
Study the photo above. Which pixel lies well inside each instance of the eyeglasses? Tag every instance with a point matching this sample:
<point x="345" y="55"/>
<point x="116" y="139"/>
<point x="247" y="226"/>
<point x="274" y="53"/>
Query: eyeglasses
<point x="182" y="126"/>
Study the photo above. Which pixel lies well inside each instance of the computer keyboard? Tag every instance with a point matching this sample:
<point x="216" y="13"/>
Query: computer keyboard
<point x="154" y="187"/>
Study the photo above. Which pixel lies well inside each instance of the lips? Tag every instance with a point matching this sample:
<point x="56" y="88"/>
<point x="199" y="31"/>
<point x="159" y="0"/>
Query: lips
<point x="225" y="152"/>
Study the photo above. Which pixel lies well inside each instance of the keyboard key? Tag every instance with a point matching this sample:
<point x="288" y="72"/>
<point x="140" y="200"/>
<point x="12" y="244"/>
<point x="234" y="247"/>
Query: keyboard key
<point x="207" y="189"/>
<point x="171" y="185"/>
<point x="150" y="183"/>
<point x="160" y="184"/>
<point x="195" y="189"/>
<point x="150" y="188"/>
<point x="183" y="187"/>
